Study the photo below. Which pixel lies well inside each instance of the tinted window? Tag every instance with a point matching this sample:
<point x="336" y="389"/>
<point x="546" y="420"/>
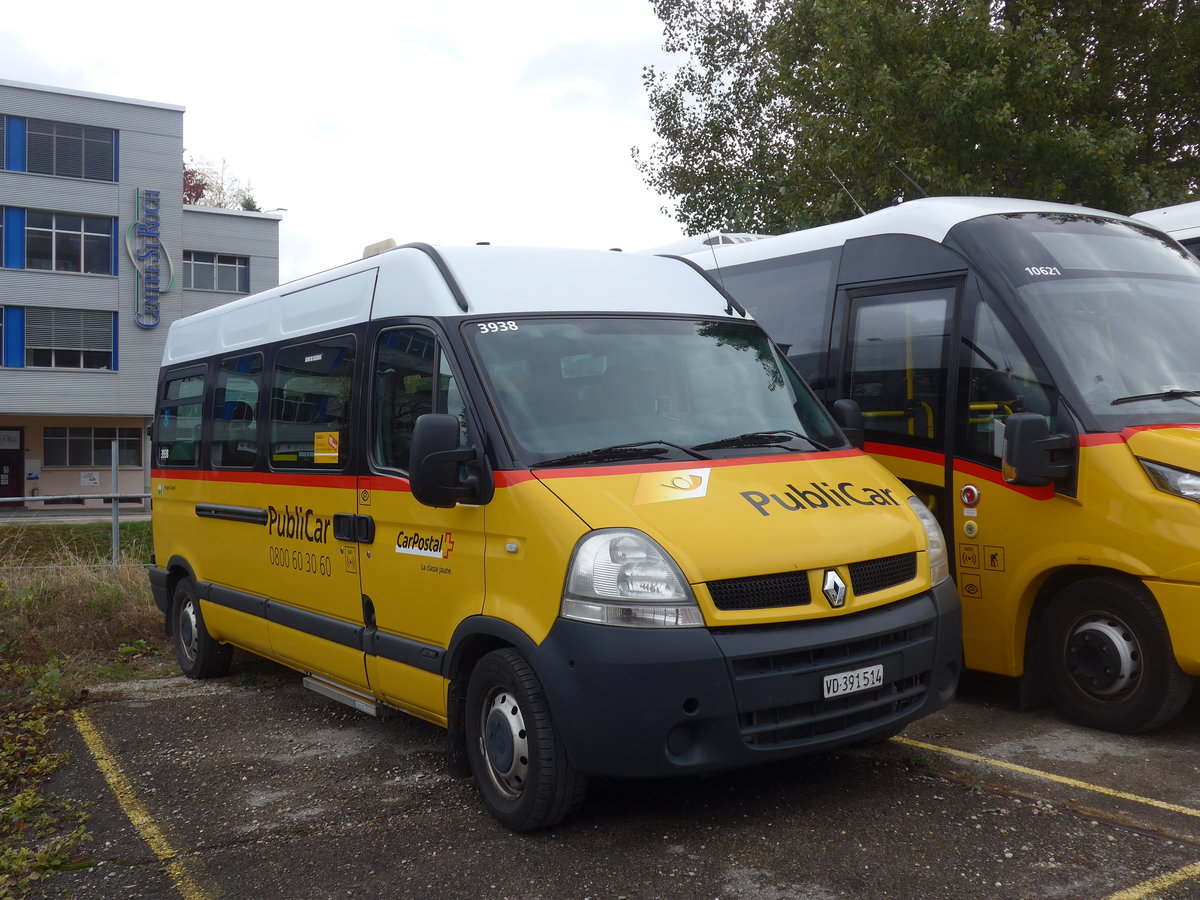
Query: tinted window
<point x="310" y="404"/>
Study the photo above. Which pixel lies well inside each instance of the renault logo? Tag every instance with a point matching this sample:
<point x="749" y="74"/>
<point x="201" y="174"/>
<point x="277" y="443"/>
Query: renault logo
<point x="834" y="589"/>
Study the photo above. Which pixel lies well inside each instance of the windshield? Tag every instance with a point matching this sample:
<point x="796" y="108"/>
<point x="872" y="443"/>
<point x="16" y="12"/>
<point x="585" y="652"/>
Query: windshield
<point x="581" y="390"/>
<point x="1118" y="306"/>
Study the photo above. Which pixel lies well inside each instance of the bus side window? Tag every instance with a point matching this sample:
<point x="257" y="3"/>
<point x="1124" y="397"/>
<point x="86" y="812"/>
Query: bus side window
<point x="235" y="411"/>
<point x="310" y="404"/>
<point x="996" y="379"/>
<point x="180" y="415"/>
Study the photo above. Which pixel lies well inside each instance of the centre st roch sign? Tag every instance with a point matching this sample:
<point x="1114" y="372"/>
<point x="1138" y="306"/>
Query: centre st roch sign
<point x="143" y="244"/>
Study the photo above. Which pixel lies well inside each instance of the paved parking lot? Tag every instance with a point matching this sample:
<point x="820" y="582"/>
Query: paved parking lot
<point x="254" y="787"/>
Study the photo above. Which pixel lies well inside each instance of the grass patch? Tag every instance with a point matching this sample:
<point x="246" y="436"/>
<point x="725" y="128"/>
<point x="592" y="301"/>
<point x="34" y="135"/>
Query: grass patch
<point x="67" y="621"/>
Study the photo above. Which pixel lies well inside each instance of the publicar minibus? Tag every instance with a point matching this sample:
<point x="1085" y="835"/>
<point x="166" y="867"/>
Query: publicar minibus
<point x="574" y="506"/>
<point x="1032" y="371"/>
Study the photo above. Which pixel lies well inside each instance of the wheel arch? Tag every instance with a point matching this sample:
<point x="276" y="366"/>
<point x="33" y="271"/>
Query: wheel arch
<point x="178" y="568"/>
<point x="1043" y="595"/>
<point x="474" y="638"/>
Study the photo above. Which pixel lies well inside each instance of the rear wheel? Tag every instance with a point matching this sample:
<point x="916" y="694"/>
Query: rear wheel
<point x="517" y="759"/>
<point x="199" y="655"/>
<point x="1105" y="650"/>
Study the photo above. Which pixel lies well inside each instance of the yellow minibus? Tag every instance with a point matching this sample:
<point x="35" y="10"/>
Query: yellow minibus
<point x="1031" y="370"/>
<point x="573" y="506"/>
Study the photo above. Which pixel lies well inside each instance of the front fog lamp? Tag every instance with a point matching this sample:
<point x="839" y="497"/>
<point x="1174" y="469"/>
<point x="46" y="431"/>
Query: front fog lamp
<point x="939" y="560"/>
<point x="620" y="577"/>
<point x="1179" y="482"/>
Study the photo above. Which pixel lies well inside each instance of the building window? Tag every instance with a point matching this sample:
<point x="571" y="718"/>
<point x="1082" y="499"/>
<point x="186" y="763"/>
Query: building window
<point x="91" y="447"/>
<point x="3" y="165"/>
<point x="63" y="242"/>
<point x="70" y="151"/>
<point x="68" y="338"/>
<point x="216" y="272"/>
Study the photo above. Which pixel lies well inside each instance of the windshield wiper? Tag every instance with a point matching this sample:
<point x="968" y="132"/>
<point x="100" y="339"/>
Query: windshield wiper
<point x="759" y="439"/>
<point x="618" y="452"/>
<point x="1168" y="394"/>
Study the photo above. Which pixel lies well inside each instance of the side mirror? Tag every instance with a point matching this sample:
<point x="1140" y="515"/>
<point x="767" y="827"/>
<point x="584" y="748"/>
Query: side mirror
<point x="849" y="417"/>
<point x="1030" y="451"/>
<point x="441" y="472"/>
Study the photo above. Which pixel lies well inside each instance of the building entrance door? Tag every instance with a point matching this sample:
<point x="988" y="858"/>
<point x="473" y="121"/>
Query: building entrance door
<point x="12" y="463"/>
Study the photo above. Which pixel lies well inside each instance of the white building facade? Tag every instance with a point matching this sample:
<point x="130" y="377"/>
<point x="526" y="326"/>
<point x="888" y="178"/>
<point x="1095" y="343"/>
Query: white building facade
<point x="98" y="255"/>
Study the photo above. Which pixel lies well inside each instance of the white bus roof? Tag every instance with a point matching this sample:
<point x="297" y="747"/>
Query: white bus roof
<point x="929" y="217"/>
<point x="1180" y="221"/>
<point x="445" y="282"/>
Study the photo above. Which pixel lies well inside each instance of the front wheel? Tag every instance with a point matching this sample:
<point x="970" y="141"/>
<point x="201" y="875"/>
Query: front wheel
<point x="517" y="759"/>
<point x="1105" y="650"/>
<point x="199" y="655"/>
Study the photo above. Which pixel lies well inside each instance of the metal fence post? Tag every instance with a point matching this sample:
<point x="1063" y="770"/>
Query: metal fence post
<point x="116" y="513"/>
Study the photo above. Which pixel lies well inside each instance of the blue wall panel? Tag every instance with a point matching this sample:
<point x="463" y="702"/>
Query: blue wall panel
<point x="14" y="238"/>
<point x="14" y="144"/>
<point x="14" y="336"/>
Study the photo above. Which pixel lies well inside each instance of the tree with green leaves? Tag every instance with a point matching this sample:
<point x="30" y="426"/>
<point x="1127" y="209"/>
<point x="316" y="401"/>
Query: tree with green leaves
<point x="791" y="113"/>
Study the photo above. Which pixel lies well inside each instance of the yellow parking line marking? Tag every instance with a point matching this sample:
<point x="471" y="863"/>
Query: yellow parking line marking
<point x="1050" y="776"/>
<point x="135" y="812"/>
<point x="1142" y="891"/>
<point x="1161" y="883"/>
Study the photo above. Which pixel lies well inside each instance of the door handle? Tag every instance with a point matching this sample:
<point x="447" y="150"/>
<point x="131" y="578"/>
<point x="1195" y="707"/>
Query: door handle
<point x="353" y="528"/>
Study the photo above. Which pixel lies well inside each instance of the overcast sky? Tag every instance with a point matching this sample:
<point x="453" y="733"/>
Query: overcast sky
<point x="447" y="122"/>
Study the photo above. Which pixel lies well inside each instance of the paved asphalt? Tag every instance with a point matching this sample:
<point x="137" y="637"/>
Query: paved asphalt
<point x="252" y="787"/>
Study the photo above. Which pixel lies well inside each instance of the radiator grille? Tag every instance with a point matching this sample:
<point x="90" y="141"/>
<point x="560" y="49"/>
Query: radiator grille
<point x="878" y="574"/>
<point x="761" y="591"/>
<point x="791" y="588"/>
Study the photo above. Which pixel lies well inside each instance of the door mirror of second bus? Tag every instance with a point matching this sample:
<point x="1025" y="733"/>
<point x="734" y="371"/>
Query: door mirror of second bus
<point x="849" y="417"/>
<point x="443" y="472"/>
<point x="1030" y="451"/>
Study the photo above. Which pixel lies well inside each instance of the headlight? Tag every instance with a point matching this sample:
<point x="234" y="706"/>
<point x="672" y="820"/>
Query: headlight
<point x="939" y="561"/>
<point x="1179" y="482"/>
<point x="623" y="577"/>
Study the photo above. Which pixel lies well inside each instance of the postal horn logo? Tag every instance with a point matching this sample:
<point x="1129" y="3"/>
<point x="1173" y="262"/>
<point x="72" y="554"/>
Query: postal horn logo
<point x="660" y="487"/>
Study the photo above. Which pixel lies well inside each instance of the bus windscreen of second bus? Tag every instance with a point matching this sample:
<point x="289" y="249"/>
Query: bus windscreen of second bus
<point x="1117" y="304"/>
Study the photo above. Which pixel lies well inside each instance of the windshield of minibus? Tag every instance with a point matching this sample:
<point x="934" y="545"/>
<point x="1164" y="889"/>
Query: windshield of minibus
<point x="573" y="391"/>
<point x="1117" y="304"/>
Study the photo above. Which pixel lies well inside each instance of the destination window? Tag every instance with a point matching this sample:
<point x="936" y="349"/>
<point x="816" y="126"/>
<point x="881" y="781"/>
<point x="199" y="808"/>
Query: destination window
<point x="66" y="242"/>
<point x="70" y="151"/>
<point x="204" y="271"/>
<point x="68" y="338"/>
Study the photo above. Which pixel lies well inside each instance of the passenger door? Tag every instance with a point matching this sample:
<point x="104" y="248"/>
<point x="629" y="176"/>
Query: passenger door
<point x="422" y="573"/>
<point x="895" y="359"/>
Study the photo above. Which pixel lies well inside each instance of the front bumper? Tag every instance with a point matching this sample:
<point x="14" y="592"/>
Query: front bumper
<point x="650" y="703"/>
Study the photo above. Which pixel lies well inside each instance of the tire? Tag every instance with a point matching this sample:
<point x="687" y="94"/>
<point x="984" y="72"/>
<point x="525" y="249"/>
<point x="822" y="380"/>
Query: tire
<point x="518" y="761"/>
<point x="198" y="654"/>
<point x="1107" y="659"/>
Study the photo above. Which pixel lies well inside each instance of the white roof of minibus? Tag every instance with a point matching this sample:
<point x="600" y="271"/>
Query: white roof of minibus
<point x="929" y="217"/>
<point x="1180" y="221"/>
<point x="406" y="281"/>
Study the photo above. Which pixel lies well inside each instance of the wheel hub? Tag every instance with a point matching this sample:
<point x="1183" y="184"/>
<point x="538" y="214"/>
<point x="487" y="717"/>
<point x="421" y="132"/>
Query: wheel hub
<point x="188" y="630"/>
<point x="505" y="744"/>
<point x="1103" y="657"/>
